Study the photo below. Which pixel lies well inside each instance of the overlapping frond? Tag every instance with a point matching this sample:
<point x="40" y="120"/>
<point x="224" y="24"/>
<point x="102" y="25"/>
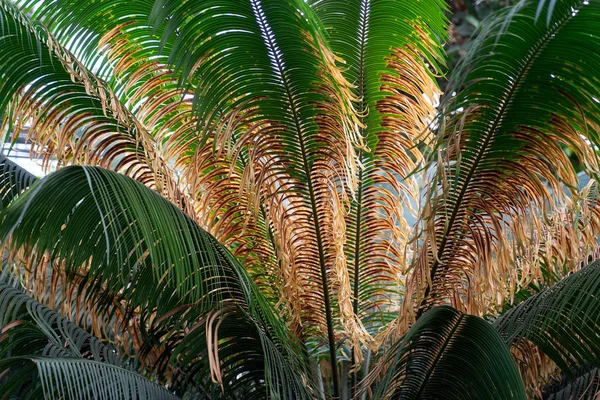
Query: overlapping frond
<point x="118" y="39"/>
<point x="70" y="378"/>
<point x="450" y="355"/>
<point x="562" y="240"/>
<point x="73" y="115"/>
<point x="561" y="321"/>
<point x="32" y="333"/>
<point x="195" y="303"/>
<point x="566" y="237"/>
<point x="389" y="49"/>
<point x="260" y="93"/>
<point x="294" y="128"/>
<point x="44" y="280"/>
<point x="502" y="166"/>
<point x="269" y="74"/>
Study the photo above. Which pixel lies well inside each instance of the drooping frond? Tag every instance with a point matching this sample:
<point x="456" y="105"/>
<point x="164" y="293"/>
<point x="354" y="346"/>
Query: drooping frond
<point x="269" y="77"/>
<point x="193" y="300"/>
<point x="449" y="355"/>
<point x="388" y="48"/>
<point x="74" y="115"/>
<point x="502" y="166"/>
<point x="565" y="237"/>
<point x="117" y="38"/>
<point x="14" y="179"/>
<point x="569" y="235"/>
<point x="561" y="321"/>
<point x="211" y="175"/>
<point x="263" y="88"/>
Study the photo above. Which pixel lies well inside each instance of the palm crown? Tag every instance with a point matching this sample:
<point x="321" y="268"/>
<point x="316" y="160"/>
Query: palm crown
<point x="289" y="145"/>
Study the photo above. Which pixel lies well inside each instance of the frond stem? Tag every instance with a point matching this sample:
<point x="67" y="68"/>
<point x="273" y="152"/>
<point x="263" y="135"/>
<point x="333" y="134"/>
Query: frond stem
<point x="483" y="150"/>
<point x="363" y="32"/>
<point x="277" y="63"/>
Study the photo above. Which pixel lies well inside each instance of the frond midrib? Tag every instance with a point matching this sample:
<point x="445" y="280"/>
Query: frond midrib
<point x="363" y="38"/>
<point x="482" y="150"/>
<point x="272" y="47"/>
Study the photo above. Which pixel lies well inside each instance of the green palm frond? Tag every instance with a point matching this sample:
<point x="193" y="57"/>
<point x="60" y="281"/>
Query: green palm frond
<point x="290" y="133"/>
<point x="391" y="72"/>
<point x="502" y="162"/>
<point x="364" y="33"/>
<point x="159" y="263"/>
<point x="119" y="34"/>
<point x="74" y="115"/>
<point x="561" y="321"/>
<point x="14" y="179"/>
<point x="80" y="26"/>
<point x="281" y="77"/>
<point x="35" y="341"/>
<point x="263" y="88"/>
<point x="69" y="378"/>
<point x="450" y="355"/>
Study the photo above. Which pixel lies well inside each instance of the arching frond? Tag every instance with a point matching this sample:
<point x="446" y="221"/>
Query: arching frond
<point x="501" y="163"/>
<point x="117" y="38"/>
<point x="196" y="303"/>
<point x="269" y="76"/>
<point x="74" y="116"/>
<point x="79" y="27"/>
<point x="450" y="355"/>
<point x="211" y="175"/>
<point x="69" y="378"/>
<point x="251" y="80"/>
<point x="561" y="321"/>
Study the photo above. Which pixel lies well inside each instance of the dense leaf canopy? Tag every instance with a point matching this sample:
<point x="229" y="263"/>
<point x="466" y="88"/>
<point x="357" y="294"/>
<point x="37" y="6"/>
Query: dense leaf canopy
<point x="273" y="199"/>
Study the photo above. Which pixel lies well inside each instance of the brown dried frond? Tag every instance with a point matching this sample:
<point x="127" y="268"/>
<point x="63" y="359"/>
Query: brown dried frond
<point x="388" y="195"/>
<point x="536" y="369"/>
<point x="212" y="175"/>
<point x="108" y="321"/>
<point x="567" y="237"/>
<point x="112" y="139"/>
<point x="285" y="201"/>
<point x="569" y="244"/>
<point x="471" y="230"/>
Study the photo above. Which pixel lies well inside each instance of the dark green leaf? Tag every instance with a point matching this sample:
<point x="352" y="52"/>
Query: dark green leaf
<point x="450" y="355"/>
<point x="136" y="246"/>
<point x="562" y="321"/>
<point x="78" y="379"/>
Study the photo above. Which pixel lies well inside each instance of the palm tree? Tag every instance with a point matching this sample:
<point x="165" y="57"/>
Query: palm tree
<point x="232" y="216"/>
